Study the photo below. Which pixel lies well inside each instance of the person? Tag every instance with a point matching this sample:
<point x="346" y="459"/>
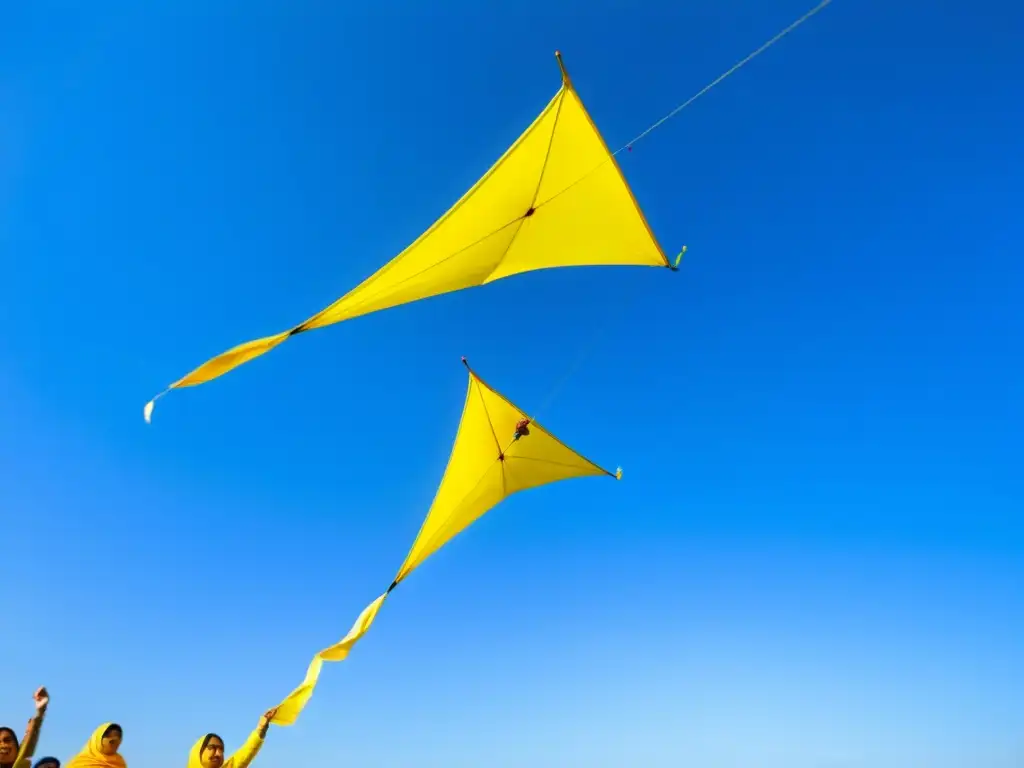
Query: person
<point x="47" y="762"/>
<point x="208" y="752"/>
<point x="15" y="755"/>
<point x="100" y="751"/>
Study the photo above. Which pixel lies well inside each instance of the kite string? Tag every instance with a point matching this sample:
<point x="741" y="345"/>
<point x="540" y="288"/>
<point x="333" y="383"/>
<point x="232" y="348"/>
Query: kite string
<point x="732" y="70"/>
<point x="729" y="72"/>
<point x="585" y="352"/>
<point x="589" y="346"/>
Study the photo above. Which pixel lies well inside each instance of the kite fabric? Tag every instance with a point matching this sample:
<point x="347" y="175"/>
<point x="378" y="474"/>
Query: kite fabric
<point x="556" y="198"/>
<point x="498" y="451"/>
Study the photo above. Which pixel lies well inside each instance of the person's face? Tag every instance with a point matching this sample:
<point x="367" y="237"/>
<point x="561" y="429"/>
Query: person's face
<point x="213" y="754"/>
<point x="8" y="747"/>
<point x="111" y="742"/>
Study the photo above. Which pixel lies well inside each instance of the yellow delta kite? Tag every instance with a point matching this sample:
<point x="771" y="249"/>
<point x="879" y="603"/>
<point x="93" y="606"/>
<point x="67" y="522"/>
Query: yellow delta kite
<point x="498" y="451"/>
<point x="556" y="198"/>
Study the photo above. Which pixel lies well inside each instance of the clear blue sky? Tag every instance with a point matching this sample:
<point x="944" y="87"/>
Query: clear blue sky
<point x="815" y="557"/>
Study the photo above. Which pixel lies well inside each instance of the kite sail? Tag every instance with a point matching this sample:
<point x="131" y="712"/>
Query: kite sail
<point x="556" y="198"/>
<point x="498" y="451"/>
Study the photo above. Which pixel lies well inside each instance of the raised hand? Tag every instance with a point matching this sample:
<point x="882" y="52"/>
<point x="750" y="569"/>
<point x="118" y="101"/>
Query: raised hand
<point x="268" y="716"/>
<point x="265" y="720"/>
<point x="42" y="699"/>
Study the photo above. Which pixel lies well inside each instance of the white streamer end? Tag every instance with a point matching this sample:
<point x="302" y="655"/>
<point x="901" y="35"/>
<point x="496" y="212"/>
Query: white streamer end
<point x="147" y="412"/>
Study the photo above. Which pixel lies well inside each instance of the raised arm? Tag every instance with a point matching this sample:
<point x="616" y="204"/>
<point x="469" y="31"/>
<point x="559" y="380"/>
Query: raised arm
<point x="35" y="726"/>
<point x="248" y="751"/>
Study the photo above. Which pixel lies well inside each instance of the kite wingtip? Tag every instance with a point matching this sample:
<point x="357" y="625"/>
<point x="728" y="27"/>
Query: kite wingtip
<point x="679" y="258"/>
<point x="147" y="411"/>
<point x="618" y="473"/>
<point x="561" y="67"/>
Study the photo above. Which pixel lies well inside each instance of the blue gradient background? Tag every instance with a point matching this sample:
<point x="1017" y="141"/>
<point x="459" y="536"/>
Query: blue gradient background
<point x="815" y="557"/>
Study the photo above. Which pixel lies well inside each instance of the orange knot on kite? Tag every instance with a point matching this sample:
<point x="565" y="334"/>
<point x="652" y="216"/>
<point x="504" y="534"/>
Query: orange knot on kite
<point x="522" y="428"/>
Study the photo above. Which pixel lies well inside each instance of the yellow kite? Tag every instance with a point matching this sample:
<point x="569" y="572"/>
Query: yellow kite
<point x="556" y="198"/>
<point x="498" y="451"/>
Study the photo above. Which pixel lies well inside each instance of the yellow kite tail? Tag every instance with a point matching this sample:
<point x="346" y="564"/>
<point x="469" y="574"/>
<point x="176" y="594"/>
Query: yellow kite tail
<point x="289" y="709"/>
<point x="555" y="198"/>
<point x="498" y="451"/>
<point x="223" y="363"/>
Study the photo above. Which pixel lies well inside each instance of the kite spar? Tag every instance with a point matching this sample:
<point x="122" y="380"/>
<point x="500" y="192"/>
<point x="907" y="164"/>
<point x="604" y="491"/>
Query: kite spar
<point x="556" y="198"/>
<point x="498" y="451"/>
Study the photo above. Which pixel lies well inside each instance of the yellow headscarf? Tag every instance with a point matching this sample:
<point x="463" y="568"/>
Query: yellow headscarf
<point x="92" y="757"/>
<point x="241" y="758"/>
<point x="195" y="755"/>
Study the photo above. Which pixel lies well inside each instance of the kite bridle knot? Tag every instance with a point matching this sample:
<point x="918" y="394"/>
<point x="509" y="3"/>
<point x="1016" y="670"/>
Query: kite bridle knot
<point x="529" y="212"/>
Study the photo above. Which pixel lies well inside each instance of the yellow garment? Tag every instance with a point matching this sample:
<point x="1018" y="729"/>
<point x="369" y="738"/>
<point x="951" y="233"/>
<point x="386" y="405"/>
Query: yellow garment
<point x="556" y="198"/>
<point x="92" y="757"/>
<point x="241" y="759"/>
<point x="487" y="464"/>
